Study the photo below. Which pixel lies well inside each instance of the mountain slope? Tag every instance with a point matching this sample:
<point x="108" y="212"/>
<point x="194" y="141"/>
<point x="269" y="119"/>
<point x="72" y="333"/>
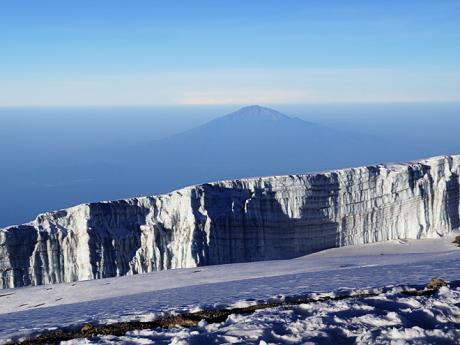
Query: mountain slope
<point x="253" y="141"/>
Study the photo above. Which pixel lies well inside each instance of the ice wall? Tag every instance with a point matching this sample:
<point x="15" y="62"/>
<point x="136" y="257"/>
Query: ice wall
<point x="234" y="221"/>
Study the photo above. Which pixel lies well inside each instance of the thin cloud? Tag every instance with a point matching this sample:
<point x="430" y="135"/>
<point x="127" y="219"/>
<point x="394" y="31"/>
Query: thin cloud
<point x="236" y="86"/>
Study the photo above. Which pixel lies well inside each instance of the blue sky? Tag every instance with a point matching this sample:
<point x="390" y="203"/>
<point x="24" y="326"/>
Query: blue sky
<point x="228" y="52"/>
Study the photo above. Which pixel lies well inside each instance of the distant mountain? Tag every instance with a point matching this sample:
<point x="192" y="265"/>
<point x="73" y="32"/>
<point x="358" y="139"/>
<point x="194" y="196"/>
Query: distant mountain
<point x="255" y="112"/>
<point x="253" y="141"/>
<point x="252" y="120"/>
<point x="268" y="142"/>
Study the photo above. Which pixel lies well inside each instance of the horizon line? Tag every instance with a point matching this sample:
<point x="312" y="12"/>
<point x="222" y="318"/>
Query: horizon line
<point x="268" y="104"/>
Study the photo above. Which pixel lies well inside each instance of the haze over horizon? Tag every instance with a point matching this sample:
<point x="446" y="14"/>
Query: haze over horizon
<point x="59" y="157"/>
<point x="115" y="53"/>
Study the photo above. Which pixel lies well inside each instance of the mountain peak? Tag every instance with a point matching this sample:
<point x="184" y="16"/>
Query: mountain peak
<point x="257" y="112"/>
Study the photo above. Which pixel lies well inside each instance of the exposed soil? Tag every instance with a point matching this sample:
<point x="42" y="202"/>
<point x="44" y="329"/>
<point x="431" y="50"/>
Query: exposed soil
<point x="457" y="241"/>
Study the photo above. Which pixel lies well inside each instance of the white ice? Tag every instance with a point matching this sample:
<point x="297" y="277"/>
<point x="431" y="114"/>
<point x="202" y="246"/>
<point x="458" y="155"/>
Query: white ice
<point x="25" y="311"/>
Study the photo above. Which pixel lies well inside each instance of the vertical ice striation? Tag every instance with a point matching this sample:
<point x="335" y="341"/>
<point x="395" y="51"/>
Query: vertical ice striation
<point x="234" y="221"/>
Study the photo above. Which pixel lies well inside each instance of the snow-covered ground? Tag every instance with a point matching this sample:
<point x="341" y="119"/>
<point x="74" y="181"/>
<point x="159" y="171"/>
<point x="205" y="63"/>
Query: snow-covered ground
<point x="388" y="316"/>
<point x="391" y="318"/>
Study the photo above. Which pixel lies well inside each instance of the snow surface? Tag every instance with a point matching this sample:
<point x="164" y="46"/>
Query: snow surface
<point x="390" y="318"/>
<point x="29" y="310"/>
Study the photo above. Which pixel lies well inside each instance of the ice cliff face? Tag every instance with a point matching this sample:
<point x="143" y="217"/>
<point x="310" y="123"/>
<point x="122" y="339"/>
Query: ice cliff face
<point x="234" y="221"/>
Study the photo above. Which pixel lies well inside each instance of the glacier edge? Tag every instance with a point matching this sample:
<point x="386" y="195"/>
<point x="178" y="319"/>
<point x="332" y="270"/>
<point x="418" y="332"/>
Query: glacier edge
<point x="252" y="219"/>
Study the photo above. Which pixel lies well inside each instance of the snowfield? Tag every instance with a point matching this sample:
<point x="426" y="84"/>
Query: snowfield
<point x="390" y="317"/>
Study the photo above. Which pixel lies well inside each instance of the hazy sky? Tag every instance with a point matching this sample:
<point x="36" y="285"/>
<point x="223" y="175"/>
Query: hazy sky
<point x="111" y="52"/>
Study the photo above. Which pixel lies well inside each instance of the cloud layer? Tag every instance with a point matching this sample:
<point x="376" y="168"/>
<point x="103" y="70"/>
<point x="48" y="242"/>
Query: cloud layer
<point x="235" y="86"/>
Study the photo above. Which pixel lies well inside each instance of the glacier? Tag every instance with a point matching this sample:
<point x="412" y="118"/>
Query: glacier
<point x="253" y="219"/>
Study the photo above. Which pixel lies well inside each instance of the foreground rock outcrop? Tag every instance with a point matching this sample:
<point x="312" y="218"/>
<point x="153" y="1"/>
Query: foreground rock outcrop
<point x="234" y="221"/>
